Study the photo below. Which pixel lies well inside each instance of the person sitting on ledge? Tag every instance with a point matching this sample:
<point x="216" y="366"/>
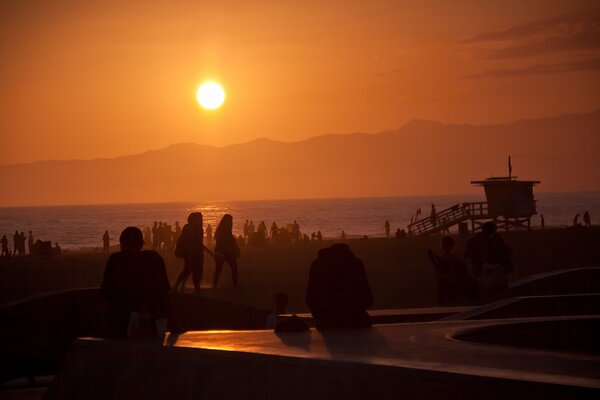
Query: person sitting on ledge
<point x="338" y="292"/>
<point x="136" y="288"/>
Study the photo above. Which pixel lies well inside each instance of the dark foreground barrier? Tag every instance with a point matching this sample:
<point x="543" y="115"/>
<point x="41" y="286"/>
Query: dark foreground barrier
<point x="407" y="361"/>
<point x="36" y="333"/>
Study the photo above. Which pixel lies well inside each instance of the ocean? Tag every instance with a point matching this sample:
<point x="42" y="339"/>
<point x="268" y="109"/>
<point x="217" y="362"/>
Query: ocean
<point x="78" y="227"/>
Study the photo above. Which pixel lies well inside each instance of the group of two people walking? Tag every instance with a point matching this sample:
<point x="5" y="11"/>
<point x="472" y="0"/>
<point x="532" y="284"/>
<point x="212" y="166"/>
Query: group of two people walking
<point x="190" y="246"/>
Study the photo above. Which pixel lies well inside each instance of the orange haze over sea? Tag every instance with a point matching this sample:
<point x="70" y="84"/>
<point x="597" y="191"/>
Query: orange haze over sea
<point x="101" y="79"/>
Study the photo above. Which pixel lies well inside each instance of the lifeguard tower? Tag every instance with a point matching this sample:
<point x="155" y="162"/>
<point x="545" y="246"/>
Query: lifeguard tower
<point x="510" y="203"/>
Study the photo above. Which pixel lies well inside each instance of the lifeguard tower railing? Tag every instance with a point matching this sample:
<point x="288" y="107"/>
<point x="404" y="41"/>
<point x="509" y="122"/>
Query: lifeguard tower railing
<point x="449" y="217"/>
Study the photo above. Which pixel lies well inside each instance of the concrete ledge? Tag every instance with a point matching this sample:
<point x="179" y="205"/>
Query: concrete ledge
<point x="409" y="361"/>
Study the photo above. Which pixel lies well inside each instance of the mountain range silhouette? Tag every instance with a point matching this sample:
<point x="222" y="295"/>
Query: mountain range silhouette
<point x="422" y="157"/>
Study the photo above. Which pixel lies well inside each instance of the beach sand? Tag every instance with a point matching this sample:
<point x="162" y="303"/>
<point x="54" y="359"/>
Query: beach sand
<point x="398" y="270"/>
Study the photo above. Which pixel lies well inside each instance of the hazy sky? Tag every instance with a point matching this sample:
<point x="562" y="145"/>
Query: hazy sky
<point x="87" y="79"/>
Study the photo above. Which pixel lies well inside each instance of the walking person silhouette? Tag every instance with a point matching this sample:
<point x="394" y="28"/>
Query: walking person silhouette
<point x="226" y="249"/>
<point x="190" y="247"/>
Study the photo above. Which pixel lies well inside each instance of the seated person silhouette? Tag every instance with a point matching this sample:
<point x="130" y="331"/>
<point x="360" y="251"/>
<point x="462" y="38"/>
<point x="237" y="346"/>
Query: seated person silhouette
<point x="338" y="292"/>
<point x="135" y="284"/>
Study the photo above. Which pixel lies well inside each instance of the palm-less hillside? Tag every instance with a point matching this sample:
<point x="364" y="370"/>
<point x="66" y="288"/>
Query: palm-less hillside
<point x="422" y="157"/>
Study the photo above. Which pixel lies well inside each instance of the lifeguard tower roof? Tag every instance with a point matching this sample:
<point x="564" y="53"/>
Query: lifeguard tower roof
<point x="508" y="197"/>
<point x="503" y="180"/>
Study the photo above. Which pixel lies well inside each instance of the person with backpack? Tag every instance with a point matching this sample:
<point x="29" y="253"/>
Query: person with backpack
<point x="190" y="246"/>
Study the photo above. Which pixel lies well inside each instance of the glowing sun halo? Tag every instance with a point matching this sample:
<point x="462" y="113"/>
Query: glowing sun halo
<point x="210" y="95"/>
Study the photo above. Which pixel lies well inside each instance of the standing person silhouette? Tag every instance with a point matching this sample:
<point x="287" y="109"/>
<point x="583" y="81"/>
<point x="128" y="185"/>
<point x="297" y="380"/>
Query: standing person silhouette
<point x="433" y="215"/>
<point x="190" y="247"/>
<point x="4" y="242"/>
<point x="30" y="242"/>
<point x="209" y="235"/>
<point x="226" y="249"/>
<point x="387" y="228"/>
<point x="587" y="220"/>
<point x="16" y="246"/>
<point x="106" y="242"/>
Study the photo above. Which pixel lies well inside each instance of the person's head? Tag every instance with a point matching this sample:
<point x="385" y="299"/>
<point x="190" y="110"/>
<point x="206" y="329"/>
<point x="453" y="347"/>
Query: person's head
<point x="131" y="239"/>
<point x="195" y="218"/>
<point x="281" y="302"/>
<point x="226" y="224"/>
<point x="488" y="228"/>
<point x="447" y="244"/>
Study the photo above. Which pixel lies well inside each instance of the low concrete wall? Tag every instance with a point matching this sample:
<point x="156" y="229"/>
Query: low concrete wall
<point x="111" y="370"/>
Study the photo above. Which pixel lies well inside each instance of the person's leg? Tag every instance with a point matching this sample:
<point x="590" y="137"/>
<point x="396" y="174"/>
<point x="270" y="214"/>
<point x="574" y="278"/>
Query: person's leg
<point x="197" y="270"/>
<point x="183" y="276"/>
<point x="218" y="267"/>
<point x="232" y="261"/>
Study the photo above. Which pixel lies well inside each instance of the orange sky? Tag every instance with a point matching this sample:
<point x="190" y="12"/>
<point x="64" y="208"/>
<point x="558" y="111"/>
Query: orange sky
<point x="87" y="79"/>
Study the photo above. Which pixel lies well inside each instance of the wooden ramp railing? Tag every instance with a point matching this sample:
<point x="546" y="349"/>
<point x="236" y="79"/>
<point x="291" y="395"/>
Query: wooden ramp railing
<point x="449" y="217"/>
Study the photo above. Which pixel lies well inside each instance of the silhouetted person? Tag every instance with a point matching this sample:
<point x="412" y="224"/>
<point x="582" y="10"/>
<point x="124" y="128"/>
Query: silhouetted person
<point x="22" y="243"/>
<point x="226" y="249"/>
<point x="168" y="237"/>
<point x="576" y="220"/>
<point x="343" y="235"/>
<point x="296" y="231"/>
<point x="497" y="264"/>
<point x="338" y="292"/>
<point x="209" y="235"/>
<point x="16" y="245"/>
<point x="274" y="231"/>
<point x="281" y="302"/>
<point x="387" y="228"/>
<point x="56" y="250"/>
<point x="177" y="232"/>
<point x="587" y="220"/>
<point x="475" y="253"/>
<point x="155" y="239"/>
<point x="4" y="243"/>
<point x="105" y="242"/>
<point x="190" y="247"/>
<point x="454" y="284"/>
<point x="246" y="229"/>
<point x="433" y="215"/>
<point x="30" y="242"/>
<point x="398" y="234"/>
<point x="542" y="221"/>
<point x="319" y="236"/>
<point x="135" y="283"/>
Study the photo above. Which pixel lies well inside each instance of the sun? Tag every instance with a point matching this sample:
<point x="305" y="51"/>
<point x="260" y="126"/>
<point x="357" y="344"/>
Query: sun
<point x="210" y="95"/>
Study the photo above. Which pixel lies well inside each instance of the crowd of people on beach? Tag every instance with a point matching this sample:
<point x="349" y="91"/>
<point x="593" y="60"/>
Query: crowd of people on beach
<point x="136" y="288"/>
<point x="338" y="293"/>
<point x="34" y="247"/>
